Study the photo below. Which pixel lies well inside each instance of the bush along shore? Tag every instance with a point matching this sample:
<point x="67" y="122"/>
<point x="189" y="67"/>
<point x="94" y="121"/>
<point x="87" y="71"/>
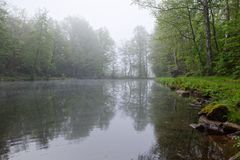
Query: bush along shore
<point x="218" y="99"/>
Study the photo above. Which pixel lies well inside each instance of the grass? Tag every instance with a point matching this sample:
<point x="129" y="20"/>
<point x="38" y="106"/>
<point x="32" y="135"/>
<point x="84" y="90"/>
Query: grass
<point x="222" y="90"/>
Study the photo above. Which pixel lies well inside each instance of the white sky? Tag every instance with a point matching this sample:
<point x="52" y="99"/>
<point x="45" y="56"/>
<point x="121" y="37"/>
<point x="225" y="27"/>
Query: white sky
<point x="119" y="16"/>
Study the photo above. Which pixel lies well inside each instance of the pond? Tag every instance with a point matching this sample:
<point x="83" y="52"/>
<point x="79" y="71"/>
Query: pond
<point x="100" y="120"/>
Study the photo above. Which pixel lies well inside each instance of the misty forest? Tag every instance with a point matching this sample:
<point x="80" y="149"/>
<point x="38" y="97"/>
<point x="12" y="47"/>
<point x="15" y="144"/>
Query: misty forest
<point x="40" y="46"/>
<point x="71" y="90"/>
<point x="192" y="37"/>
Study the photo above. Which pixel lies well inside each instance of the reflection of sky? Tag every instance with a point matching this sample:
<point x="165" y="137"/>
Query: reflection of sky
<point x="119" y="142"/>
<point x="119" y="16"/>
<point x="91" y="119"/>
<point x="99" y="120"/>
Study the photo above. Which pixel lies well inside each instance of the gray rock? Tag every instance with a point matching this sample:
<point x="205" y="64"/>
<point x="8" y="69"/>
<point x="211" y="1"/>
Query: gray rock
<point x="183" y="93"/>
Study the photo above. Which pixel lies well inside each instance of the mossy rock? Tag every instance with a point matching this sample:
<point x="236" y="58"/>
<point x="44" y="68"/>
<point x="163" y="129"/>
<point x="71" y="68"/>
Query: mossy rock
<point x="215" y="112"/>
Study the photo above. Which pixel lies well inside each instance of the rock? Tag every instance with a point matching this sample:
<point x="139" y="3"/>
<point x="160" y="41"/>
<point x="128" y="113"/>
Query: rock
<point x="195" y="105"/>
<point x="172" y="88"/>
<point x="198" y="127"/>
<point x="199" y="102"/>
<point x="215" y="127"/>
<point x="176" y="72"/>
<point x="196" y="93"/>
<point x="231" y="135"/>
<point x="215" y="112"/>
<point x="219" y="114"/>
<point x="183" y="93"/>
<point x="211" y="127"/>
<point x="202" y="101"/>
<point x="230" y="128"/>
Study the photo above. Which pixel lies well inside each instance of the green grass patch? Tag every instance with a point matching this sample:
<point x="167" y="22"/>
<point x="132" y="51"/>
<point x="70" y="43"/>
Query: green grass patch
<point x="222" y="90"/>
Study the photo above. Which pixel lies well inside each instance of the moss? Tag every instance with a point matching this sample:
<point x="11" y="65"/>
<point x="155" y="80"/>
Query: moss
<point x="216" y="112"/>
<point x="211" y="107"/>
<point x="221" y="90"/>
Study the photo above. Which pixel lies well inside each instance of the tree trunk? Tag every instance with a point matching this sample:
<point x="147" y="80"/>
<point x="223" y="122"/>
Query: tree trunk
<point x="140" y="64"/>
<point x="194" y="39"/>
<point x="227" y="14"/>
<point x="35" y="63"/>
<point x="237" y="9"/>
<point x="175" y="60"/>
<point x="227" y="11"/>
<point x="214" y="31"/>
<point x="208" y="37"/>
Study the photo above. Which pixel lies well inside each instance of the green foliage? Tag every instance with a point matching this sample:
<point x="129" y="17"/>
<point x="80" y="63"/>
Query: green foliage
<point x="211" y="107"/>
<point x="185" y="40"/>
<point x="222" y="90"/>
<point x="42" y="47"/>
<point x="3" y="35"/>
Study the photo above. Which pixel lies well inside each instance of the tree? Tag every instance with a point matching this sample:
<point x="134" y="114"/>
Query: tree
<point x="107" y="56"/>
<point x="17" y="30"/>
<point x="3" y="36"/>
<point x="89" y="49"/>
<point x="141" y="39"/>
<point x="40" y="49"/>
<point x="182" y="27"/>
<point x="60" y="52"/>
<point x="135" y="54"/>
<point x="41" y="46"/>
<point x="209" y="56"/>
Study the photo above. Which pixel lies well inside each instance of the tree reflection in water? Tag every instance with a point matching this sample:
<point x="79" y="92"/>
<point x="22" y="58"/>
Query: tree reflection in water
<point x="40" y="112"/>
<point x="171" y="116"/>
<point x="43" y="111"/>
<point x="134" y="102"/>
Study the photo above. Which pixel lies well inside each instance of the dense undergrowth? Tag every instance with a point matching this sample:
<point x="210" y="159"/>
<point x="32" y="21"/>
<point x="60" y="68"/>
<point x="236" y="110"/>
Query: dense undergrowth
<point x="222" y="90"/>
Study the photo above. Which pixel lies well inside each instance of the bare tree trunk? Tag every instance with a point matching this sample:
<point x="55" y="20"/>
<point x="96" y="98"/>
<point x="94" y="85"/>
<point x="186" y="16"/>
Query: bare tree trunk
<point x="175" y="60"/>
<point x="227" y="10"/>
<point x="140" y="64"/>
<point x="214" y="30"/>
<point x="146" y="65"/>
<point x="227" y="15"/>
<point x="237" y="9"/>
<point x="194" y="38"/>
<point x="208" y="37"/>
<point x="34" y="69"/>
<point x="130" y="67"/>
<point x="36" y="60"/>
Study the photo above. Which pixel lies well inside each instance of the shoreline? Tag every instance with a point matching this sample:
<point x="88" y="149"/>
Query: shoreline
<point x="219" y="90"/>
<point x="28" y="78"/>
<point x="217" y="102"/>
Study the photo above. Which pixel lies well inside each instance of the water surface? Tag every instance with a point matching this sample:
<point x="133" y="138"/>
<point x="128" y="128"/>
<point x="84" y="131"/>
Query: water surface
<point x="100" y="120"/>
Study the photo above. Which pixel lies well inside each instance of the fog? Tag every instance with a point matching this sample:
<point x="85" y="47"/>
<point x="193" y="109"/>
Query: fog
<point x="120" y="17"/>
<point x="80" y="39"/>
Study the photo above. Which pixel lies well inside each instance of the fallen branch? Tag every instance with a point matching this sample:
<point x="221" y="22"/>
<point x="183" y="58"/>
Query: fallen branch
<point x="215" y="127"/>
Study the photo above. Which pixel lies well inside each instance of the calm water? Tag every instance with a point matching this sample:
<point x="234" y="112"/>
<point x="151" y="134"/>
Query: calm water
<point x="100" y="120"/>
